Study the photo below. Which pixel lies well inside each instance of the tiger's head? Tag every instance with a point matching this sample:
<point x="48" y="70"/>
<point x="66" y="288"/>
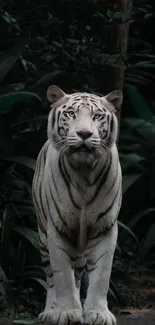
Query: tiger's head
<point x="82" y="125"/>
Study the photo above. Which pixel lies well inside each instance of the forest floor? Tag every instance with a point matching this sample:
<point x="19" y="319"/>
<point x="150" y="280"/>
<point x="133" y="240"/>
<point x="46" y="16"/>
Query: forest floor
<point x="136" y="318"/>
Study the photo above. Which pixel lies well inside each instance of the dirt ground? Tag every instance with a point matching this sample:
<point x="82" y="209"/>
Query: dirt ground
<point x="136" y="318"/>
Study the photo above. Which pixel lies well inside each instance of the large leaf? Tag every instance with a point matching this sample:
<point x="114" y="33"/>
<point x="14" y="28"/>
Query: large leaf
<point x="138" y="216"/>
<point x="131" y="123"/>
<point x="147" y="132"/>
<point x="7" y="101"/>
<point x="27" y="233"/>
<point x="129" y="180"/>
<point x="25" y="161"/>
<point x="141" y="107"/>
<point x="148" y="242"/>
<point x="10" y="58"/>
<point x="129" y="231"/>
<point x="131" y="160"/>
<point x="24" y="322"/>
<point x="41" y="282"/>
<point x="114" y="292"/>
<point x="3" y="223"/>
<point x="33" y="119"/>
<point x="47" y="79"/>
<point x="3" y="277"/>
<point x="33" y="271"/>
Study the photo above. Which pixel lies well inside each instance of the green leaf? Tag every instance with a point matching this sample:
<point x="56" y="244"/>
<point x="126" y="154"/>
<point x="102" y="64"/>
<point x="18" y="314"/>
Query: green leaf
<point x="138" y="216"/>
<point x="119" y="249"/>
<point x="129" y="231"/>
<point x="3" y="225"/>
<point x="132" y="123"/>
<point x="28" y="234"/>
<point x="144" y="64"/>
<point x="129" y="180"/>
<point x="132" y="161"/>
<point x="131" y="80"/>
<point x="3" y="277"/>
<point x="113" y="290"/>
<point x="147" y="132"/>
<point x="2" y="290"/>
<point x="47" y="79"/>
<point x="34" y="119"/>
<point x="147" y="243"/>
<point x="10" y="58"/>
<point x="41" y="282"/>
<point x="24" y="322"/>
<point x="7" y="101"/>
<point x="25" y="161"/>
<point x="33" y="271"/>
<point x="130" y="138"/>
<point x="142" y="109"/>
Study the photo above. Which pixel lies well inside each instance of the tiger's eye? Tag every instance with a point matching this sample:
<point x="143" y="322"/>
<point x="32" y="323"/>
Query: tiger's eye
<point x="70" y="114"/>
<point x="97" y="116"/>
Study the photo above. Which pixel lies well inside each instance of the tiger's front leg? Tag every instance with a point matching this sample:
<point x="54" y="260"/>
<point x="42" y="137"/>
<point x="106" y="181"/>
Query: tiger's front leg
<point x="100" y="253"/>
<point x="68" y="306"/>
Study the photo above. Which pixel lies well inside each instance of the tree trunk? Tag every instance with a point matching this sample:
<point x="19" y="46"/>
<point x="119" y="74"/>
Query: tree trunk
<point x="115" y="38"/>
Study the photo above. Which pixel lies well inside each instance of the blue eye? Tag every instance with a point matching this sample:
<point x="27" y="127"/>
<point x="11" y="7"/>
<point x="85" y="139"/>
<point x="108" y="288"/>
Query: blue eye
<point x="97" y="116"/>
<point x="70" y="114"/>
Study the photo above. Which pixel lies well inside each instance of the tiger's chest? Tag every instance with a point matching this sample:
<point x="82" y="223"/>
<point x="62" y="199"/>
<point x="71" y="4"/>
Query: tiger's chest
<point x="70" y="199"/>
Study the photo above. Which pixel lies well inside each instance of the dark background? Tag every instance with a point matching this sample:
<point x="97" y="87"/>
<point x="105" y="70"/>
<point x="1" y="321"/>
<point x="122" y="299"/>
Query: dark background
<point x="65" y="43"/>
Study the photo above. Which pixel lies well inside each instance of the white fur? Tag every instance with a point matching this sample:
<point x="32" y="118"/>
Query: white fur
<point x="94" y="244"/>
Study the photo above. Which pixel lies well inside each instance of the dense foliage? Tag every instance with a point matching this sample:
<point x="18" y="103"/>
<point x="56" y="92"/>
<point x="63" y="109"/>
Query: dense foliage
<point x="69" y="47"/>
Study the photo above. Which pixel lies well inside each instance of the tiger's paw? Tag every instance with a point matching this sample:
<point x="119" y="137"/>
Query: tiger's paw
<point x="105" y="317"/>
<point x="57" y="316"/>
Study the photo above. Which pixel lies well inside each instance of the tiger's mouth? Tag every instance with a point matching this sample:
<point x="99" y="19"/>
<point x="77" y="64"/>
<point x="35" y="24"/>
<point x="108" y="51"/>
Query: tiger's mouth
<point x="81" y="149"/>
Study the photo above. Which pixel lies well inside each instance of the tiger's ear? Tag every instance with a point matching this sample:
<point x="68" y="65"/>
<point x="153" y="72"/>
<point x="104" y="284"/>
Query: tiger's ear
<point x="54" y="93"/>
<point x="115" y="98"/>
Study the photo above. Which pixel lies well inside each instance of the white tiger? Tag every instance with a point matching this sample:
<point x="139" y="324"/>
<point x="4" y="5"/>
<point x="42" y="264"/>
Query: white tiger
<point x="77" y="193"/>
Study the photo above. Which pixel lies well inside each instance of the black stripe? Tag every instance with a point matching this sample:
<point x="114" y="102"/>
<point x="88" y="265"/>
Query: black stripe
<point x="68" y="108"/>
<point x="111" y="124"/>
<point x="58" y="115"/>
<point x="43" y="248"/>
<point x="92" y="269"/>
<point x="77" y="186"/>
<point x="70" y="235"/>
<point x="91" y="246"/>
<point x="102" y="181"/>
<point x="56" y="205"/>
<point x="115" y="179"/>
<point x="55" y="185"/>
<point x="41" y="202"/>
<point x="53" y="116"/>
<point x="36" y="183"/>
<point x="51" y="286"/>
<point x="102" y="214"/>
<point x="46" y="264"/>
<point x="54" y="225"/>
<point x="39" y="221"/>
<point x="94" y="262"/>
<point x="79" y="269"/>
<point x="73" y="259"/>
<point x="103" y="231"/>
<point x="99" y="174"/>
<point x="61" y="165"/>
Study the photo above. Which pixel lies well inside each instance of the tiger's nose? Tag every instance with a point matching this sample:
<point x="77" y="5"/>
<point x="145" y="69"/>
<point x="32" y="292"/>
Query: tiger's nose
<point x="84" y="134"/>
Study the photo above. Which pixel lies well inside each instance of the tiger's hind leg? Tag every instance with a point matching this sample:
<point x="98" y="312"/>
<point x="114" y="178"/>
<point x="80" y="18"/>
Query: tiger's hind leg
<point x="50" y="297"/>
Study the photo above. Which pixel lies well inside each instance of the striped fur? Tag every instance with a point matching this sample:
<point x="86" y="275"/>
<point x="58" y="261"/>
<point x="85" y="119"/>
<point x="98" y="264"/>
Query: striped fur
<point x="77" y="198"/>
